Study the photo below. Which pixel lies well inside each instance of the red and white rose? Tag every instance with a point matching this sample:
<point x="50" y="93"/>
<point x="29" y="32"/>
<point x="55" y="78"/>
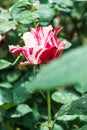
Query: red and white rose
<point x="41" y="45"/>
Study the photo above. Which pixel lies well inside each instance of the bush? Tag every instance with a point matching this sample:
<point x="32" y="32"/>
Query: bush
<point x="25" y="90"/>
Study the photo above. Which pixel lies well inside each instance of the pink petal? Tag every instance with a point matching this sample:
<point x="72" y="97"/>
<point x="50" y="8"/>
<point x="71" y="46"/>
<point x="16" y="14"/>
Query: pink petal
<point x="15" y="49"/>
<point x="51" y="38"/>
<point x="18" y="49"/>
<point x="41" y="34"/>
<point x="35" y="54"/>
<point x="57" y="30"/>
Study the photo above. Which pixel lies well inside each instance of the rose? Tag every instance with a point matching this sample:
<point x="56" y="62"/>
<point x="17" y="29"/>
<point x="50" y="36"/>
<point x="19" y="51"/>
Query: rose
<point x="41" y="45"/>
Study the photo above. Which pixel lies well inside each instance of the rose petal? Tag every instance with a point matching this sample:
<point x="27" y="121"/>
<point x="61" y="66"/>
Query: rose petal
<point x="56" y="30"/>
<point x="15" y="49"/>
<point x="29" y="39"/>
<point x="48" y="55"/>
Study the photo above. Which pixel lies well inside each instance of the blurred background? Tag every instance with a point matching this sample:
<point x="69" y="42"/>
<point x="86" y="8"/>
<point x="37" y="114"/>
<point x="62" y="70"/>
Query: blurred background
<point x="16" y="17"/>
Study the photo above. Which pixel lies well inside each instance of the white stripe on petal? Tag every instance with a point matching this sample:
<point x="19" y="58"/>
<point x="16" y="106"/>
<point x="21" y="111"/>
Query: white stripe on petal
<point x="29" y="39"/>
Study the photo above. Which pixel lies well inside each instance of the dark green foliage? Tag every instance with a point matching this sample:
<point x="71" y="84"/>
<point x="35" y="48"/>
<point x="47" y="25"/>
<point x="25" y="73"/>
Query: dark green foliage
<point x="23" y="104"/>
<point x="77" y="107"/>
<point x="83" y="128"/>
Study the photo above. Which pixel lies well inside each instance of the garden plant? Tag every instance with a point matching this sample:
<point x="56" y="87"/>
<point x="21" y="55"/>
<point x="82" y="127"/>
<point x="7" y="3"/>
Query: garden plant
<point x="43" y="65"/>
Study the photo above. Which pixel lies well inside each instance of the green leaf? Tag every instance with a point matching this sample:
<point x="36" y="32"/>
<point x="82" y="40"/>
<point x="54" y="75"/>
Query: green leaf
<point x="6" y="26"/>
<point x="83" y="127"/>
<point x="20" y="92"/>
<point x="43" y="127"/>
<point x="76" y="14"/>
<point x="67" y="117"/>
<point x="4" y="15"/>
<point x="22" y="13"/>
<point x="20" y="6"/>
<point x="13" y="75"/>
<point x="21" y="110"/>
<point x="5" y="96"/>
<point x="62" y="72"/>
<point x="64" y="3"/>
<point x="7" y="106"/>
<point x="4" y="64"/>
<point x="64" y="6"/>
<point x="45" y="15"/>
<point x="81" y="86"/>
<point x="5" y="85"/>
<point x="29" y="122"/>
<point x="83" y="118"/>
<point x="27" y="17"/>
<point x="76" y="107"/>
<point x="36" y="113"/>
<point x="57" y="127"/>
<point x="3" y="127"/>
<point x="68" y="44"/>
<point x="64" y="96"/>
<point x="43" y="1"/>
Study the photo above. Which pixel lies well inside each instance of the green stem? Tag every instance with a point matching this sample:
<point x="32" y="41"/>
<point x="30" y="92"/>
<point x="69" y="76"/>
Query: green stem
<point x="54" y="123"/>
<point x="43" y="95"/>
<point x="56" y="118"/>
<point x="49" y="109"/>
<point x="16" y="60"/>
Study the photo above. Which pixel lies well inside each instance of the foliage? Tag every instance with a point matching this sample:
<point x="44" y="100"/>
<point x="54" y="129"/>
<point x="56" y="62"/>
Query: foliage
<point x="23" y="88"/>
